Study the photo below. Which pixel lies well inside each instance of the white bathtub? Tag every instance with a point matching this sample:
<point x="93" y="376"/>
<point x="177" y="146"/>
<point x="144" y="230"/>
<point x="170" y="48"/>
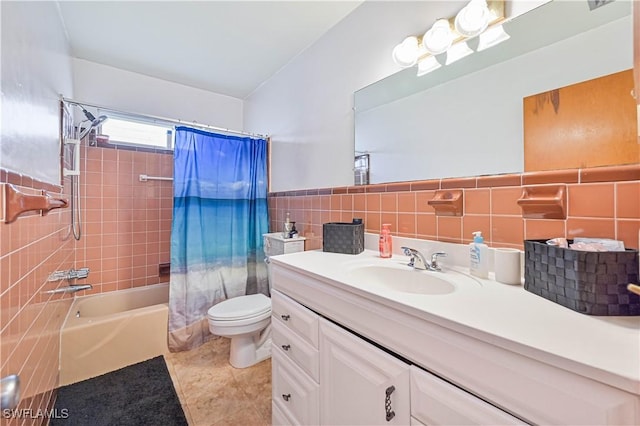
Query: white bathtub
<point x="105" y="332"/>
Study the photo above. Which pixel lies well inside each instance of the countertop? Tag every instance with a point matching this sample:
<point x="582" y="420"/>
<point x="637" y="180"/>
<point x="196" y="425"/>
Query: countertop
<point x="606" y="349"/>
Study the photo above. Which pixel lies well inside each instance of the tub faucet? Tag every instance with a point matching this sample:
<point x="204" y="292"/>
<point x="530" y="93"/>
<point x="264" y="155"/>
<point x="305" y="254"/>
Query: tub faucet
<point x="418" y="261"/>
<point x="70" y="289"/>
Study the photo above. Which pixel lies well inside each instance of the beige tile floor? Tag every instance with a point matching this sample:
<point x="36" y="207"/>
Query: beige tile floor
<point x="212" y="392"/>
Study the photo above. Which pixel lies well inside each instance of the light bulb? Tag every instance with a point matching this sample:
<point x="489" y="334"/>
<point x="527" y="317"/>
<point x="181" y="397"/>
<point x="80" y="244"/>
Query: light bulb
<point x="472" y="19"/>
<point x="406" y="53"/>
<point x="438" y="38"/>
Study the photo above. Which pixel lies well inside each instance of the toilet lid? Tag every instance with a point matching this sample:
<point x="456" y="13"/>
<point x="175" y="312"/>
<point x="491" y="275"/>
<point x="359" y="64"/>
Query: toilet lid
<point x="240" y="307"/>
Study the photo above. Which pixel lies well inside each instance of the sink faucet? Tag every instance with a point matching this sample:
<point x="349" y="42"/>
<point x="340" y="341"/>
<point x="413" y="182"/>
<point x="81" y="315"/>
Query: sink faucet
<point x="418" y="261"/>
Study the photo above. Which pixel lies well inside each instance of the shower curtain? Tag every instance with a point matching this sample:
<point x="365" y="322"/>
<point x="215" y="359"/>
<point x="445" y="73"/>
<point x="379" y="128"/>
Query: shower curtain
<point x="219" y="216"/>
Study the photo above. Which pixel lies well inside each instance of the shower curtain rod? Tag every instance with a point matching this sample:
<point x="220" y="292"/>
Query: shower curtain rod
<point x="164" y="119"/>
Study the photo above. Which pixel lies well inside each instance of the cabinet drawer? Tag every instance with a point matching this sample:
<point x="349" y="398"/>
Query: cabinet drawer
<point x="301" y="352"/>
<point x="295" y="317"/>
<point x="437" y="402"/>
<point x="295" y="393"/>
<point x="293" y="246"/>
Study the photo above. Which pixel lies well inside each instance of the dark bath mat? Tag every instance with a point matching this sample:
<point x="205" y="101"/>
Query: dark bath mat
<point x="138" y="395"/>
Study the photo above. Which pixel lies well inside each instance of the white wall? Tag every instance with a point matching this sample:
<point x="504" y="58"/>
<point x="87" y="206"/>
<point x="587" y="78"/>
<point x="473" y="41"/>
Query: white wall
<point x="307" y="106"/>
<point x="132" y="92"/>
<point x="36" y="68"/>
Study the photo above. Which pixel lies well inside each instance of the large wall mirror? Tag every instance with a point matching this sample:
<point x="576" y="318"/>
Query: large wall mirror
<point x="466" y="118"/>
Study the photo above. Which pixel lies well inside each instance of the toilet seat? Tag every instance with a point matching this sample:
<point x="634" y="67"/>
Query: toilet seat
<point x="253" y="306"/>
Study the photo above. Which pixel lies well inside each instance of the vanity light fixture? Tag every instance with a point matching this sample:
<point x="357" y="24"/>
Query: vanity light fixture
<point x="477" y="19"/>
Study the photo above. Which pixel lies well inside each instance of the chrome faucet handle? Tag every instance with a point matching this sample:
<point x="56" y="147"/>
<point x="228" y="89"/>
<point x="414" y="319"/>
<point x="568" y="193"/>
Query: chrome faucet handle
<point x="434" y="260"/>
<point x="417" y="260"/>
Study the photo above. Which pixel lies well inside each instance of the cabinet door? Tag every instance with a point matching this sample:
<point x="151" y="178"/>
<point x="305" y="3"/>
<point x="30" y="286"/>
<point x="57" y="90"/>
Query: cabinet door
<point x="437" y="402"/>
<point x="359" y="383"/>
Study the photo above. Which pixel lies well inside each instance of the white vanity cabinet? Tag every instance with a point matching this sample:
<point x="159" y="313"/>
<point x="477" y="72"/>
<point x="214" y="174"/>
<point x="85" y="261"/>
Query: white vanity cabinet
<point x="477" y="378"/>
<point x="359" y="383"/>
<point x="325" y="374"/>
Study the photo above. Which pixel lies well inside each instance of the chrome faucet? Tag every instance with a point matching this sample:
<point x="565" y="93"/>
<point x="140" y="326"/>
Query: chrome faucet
<point x="70" y="289"/>
<point x="418" y="261"/>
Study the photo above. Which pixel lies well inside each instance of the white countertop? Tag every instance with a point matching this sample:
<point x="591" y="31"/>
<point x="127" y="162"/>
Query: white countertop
<point x="606" y="349"/>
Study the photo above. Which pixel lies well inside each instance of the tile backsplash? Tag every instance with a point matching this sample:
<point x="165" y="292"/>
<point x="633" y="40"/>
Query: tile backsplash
<point x="602" y="202"/>
<point x="30" y="320"/>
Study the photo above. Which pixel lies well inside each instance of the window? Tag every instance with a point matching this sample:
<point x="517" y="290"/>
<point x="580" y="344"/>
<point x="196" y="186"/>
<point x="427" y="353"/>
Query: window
<point x="123" y="130"/>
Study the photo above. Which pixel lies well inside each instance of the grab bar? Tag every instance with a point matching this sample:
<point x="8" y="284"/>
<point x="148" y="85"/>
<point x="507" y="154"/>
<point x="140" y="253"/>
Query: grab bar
<point x="145" y="178"/>
<point x="70" y="289"/>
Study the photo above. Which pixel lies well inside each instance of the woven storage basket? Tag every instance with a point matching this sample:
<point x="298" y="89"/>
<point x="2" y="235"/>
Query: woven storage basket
<point x="347" y="238"/>
<point x="593" y="283"/>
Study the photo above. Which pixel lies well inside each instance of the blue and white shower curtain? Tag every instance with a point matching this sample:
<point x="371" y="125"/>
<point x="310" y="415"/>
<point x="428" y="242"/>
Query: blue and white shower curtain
<point x="219" y="216"/>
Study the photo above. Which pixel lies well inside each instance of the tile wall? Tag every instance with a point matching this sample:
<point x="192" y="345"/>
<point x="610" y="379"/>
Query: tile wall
<point x="30" y="249"/>
<point x="126" y="224"/>
<point x="602" y="202"/>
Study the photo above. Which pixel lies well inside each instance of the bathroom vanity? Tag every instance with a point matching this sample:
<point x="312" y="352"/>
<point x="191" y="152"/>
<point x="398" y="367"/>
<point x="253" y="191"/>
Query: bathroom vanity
<point x="363" y="340"/>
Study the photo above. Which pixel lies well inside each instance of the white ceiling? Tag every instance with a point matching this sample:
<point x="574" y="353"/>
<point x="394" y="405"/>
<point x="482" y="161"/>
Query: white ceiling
<point x="227" y="47"/>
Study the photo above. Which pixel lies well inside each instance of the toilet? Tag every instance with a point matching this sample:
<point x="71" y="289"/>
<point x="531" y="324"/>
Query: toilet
<point x="246" y="320"/>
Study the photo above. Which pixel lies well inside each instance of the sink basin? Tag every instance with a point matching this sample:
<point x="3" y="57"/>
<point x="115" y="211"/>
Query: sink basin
<point x="404" y="280"/>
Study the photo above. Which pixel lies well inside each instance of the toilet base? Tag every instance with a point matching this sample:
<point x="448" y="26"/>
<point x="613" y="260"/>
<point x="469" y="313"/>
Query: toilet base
<point x="248" y="350"/>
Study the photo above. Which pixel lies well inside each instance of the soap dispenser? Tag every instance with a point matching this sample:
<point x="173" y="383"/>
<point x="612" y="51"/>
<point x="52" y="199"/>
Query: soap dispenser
<point x="385" y="244"/>
<point x="478" y="256"/>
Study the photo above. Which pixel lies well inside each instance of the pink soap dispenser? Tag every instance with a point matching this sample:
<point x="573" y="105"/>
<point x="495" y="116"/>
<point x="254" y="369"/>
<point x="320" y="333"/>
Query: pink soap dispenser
<point x="385" y="245"/>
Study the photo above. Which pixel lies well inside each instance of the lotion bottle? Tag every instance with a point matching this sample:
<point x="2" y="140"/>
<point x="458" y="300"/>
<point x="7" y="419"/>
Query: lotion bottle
<point x="478" y="256"/>
<point x="385" y="245"/>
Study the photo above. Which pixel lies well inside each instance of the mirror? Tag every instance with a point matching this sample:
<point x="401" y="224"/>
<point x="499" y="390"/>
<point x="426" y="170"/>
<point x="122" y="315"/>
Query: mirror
<point x="465" y="119"/>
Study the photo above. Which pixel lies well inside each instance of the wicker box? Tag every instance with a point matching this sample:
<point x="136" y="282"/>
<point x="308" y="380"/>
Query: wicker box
<point x="593" y="283"/>
<point x="347" y="238"/>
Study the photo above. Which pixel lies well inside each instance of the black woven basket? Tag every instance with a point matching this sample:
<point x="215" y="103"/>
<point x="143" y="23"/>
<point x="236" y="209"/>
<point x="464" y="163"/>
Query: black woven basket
<point x="593" y="283"/>
<point x="347" y="238"/>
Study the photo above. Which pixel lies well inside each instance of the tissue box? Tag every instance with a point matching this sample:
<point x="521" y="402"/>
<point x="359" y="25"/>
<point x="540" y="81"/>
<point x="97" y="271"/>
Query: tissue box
<point x="593" y="283"/>
<point x="347" y="238"/>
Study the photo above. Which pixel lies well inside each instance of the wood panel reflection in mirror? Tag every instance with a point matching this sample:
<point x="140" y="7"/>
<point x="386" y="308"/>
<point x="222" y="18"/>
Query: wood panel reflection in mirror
<point x="588" y="124"/>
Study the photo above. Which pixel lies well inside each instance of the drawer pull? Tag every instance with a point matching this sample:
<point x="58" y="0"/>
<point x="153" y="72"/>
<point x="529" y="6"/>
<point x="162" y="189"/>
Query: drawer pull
<point x="286" y="347"/>
<point x="285" y="317"/>
<point x="286" y="396"/>
<point x="387" y="403"/>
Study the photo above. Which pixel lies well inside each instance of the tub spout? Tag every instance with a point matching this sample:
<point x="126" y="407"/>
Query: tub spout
<point x="70" y="289"/>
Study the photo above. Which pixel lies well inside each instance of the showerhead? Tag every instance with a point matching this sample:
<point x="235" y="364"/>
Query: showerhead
<point x="95" y="122"/>
<point x="98" y="121"/>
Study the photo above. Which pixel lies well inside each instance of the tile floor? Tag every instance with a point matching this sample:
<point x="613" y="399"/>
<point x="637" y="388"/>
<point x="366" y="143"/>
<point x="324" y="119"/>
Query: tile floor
<point x="212" y="392"/>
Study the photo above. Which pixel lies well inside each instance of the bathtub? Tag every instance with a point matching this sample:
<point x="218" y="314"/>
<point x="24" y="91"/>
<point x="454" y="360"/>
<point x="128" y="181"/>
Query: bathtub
<point x="105" y="332"/>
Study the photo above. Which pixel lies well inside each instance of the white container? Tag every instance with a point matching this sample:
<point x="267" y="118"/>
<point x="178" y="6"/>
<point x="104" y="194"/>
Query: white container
<point x="507" y="265"/>
<point x="478" y="256"/>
